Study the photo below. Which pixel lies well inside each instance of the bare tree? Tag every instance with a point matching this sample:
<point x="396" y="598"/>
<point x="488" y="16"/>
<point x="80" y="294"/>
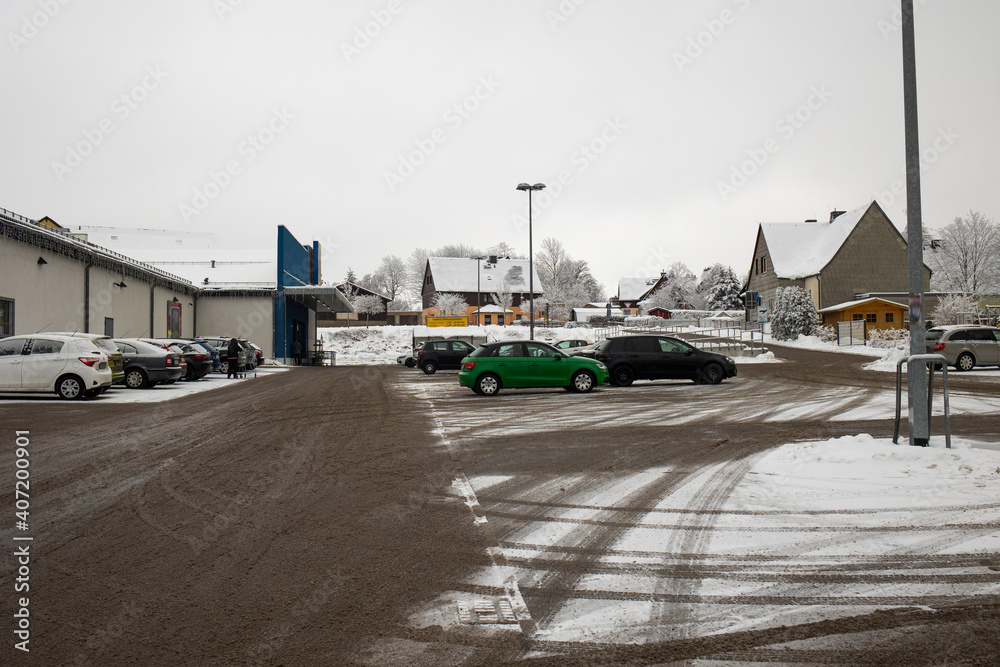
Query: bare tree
<point x="504" y="297"/>
<point x="369" y="304"/>
<point x="450" y="304"/>
<point x="966" y="256"/>
<point x="391" y="278"/>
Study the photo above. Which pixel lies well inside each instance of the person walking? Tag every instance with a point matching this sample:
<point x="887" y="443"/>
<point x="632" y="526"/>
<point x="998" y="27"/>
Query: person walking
<point x="233" y="359"/>
<point x="297" y="351"/>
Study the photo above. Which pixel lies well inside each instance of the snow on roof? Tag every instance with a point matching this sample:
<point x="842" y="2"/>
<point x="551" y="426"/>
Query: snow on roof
<point x="632" y="289"/>
<point x="587" y="312"/>
<point x="459" y="274"/>
<point x="801" y="249"/>
<point x="851" y="304"/>
<point x="493" y="308"/>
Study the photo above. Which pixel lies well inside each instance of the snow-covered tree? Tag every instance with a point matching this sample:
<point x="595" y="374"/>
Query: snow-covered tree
<point x="720" y="288"/>
<point x="351" y="276"/>
<point x="567" y="282"/>
<point x="794" y="313"/>
<point x="950" y="308"/>
<point x="965" y="255"/>
<point x="390" y="278"/>
<point x="450" y="304"/>
<point x="349" y="290"/>
<point x="368" y="305"/>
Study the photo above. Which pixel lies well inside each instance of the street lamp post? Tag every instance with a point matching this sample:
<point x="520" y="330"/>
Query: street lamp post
<point x="479" y="290"/>
<point x="531" y="259"/>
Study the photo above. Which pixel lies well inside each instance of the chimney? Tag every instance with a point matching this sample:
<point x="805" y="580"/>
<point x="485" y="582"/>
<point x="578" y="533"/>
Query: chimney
<point x="834" y="213"/>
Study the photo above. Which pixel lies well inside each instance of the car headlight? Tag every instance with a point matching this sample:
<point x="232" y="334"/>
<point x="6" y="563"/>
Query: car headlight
<point x="601" y="366"/>
<point x="730" y="360"/>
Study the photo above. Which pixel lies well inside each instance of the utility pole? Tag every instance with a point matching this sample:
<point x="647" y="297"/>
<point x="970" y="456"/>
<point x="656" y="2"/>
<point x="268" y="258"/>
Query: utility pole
<point x="916" y="372"/>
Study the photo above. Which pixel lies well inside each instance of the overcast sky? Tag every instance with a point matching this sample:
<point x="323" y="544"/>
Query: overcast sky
<point x="665" y="130"/>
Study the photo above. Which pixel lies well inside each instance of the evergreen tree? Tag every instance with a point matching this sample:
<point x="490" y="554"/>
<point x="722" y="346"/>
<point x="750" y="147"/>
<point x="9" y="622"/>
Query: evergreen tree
<point x="794" y="313"/>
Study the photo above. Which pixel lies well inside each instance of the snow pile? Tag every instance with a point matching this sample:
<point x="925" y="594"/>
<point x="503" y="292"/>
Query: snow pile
<point x="888" y="360"/>
<point x="765" y="358"/>
<point x="861" y="472"/>
<point x="817" y="343"/>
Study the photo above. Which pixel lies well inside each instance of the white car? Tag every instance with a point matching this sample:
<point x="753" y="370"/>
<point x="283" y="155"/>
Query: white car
<point x="72" y="367"/>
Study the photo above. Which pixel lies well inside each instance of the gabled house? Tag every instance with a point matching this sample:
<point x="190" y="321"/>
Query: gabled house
<point x="633" y="290"/>
<point x="352" y="290"/>
<point x="476" y="281"/>
<point x="853" y="252"/>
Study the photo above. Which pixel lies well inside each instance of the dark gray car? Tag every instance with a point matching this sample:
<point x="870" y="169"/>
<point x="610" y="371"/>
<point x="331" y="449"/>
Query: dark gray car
<point x="146" y="365"/>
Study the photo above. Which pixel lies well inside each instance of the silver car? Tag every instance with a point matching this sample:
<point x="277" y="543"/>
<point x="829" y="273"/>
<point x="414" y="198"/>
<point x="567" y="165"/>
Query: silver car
<point x="965" y="346"/>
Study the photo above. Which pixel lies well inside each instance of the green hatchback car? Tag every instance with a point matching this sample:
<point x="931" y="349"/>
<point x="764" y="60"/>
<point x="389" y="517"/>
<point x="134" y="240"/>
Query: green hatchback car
<point x="523" y="364"/>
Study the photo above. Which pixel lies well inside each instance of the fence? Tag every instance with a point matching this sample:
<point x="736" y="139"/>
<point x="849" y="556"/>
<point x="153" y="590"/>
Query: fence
<point x="854" y="332"/>
<point x="740" y="338"/>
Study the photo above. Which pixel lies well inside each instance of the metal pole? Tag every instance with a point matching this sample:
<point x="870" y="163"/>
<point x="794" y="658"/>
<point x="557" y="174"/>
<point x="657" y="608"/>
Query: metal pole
<point x="479" y="294"/>
<point x="531" y="277"/>
<point x="918" y="416"/>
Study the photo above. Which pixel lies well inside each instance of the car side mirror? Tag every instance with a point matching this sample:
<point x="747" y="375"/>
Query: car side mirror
<point x="558" y="357"/>
<point x="688" y="353"/>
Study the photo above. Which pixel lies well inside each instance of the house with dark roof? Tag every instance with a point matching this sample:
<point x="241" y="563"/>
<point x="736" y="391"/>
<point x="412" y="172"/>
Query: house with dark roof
<point x="476" y="281"/>
<point x="633" y="290"/>
<point x="852" y="253"/>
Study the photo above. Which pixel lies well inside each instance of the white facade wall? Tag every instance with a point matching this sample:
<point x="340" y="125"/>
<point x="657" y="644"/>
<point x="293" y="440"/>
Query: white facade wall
<point x="248" y="317"/>
<point x="47" y="297"/>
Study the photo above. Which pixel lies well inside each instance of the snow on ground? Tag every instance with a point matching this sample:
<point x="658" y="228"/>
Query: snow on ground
<point x="159" y="393"/>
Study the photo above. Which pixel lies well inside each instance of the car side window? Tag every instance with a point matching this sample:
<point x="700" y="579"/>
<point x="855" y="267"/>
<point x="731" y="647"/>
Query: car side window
<point x="509" y="350"/>
<point x="9" y="348"/>
<point x="996" y="334"/>
<point x="641" y="344"/>
<point x="982" y="334"/>
<point x="667" y="345"/>
<point x="959" y="335"/>
<point x="127" y="349"/>
<point x="43" y="346"/>
<point x="459" y="346"/>
<point x="536" y="350"/>
<point x="440" y="345"/>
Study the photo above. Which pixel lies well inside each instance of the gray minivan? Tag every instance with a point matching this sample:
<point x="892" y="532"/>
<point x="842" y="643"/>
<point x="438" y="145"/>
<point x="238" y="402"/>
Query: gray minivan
<point x="965" y="346"/>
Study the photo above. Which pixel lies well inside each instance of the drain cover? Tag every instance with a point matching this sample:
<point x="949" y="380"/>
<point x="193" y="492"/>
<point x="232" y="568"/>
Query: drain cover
<point x="486" y="611"/>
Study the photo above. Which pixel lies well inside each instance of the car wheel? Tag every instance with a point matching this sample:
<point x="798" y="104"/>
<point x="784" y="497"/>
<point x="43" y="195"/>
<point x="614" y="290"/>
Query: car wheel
<point x="583" y="381"/>
<point x="69" y="387"/>
<point x="224" y="367"/>
<point x="623" y="376"/>
<point x="411" y="362"/>
<point x="712" y="374"/>
<point x="135" y="378"/>
<point x="488" y="384"/>
<point x="429" y="367"/>
<point x="965" y="362"/>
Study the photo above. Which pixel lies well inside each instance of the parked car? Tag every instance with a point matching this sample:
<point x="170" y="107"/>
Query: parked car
<point x="650" y="357"/>
<point x="71" y="366"/>
<point x="147" y="365"/>
<point x="570" y="346"/>
<point x="965" y="346"/>
<point x="410" y="359"/>
<point x="247" y="358"/>
<point x="196" y="362"/>
<point x="523" y="364"/>
<point x="585" y="351"/>
<point x="199" y="344"/>
<point x="442" y="354"/>
<point x="258" y="354"/>
<point x="116" y="361"/>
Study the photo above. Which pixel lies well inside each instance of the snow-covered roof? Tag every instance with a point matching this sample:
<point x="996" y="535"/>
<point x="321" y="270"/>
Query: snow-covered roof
<point x="633" y="289"/>
<point x="802" y="249"/>
<point x="852" y="304"/>
<point x="588" y="312"/>
<point x="458" y="274"/>
<point x="493" y="308"/>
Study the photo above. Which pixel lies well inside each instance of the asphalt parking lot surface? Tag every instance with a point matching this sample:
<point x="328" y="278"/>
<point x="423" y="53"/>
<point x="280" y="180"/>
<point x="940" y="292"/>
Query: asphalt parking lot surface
<point x="357" y="515"/>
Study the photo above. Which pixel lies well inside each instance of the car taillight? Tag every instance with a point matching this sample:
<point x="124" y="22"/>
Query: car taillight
<point x="171" y="361"/>
<point x="200" y="356"/>
<point x="89" y="361"/>
<point x="468" y="365"/>
<point x="938" y="347"/>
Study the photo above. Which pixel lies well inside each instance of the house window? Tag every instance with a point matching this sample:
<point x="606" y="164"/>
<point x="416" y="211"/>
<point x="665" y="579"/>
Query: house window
<point x="488" y="319"/>
<point x="756" y="266"/>
<point x="763" y="264"/>
<point x="499" y="319"/>
<point x="890" y="317"/>
<point x="6" y="317"/>
<point x="871" y="317"/>
<point x="857" y="316"/>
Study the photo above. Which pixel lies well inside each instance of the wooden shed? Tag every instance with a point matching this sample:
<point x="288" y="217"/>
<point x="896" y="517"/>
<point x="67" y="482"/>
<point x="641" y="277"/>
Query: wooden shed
<point x="877" y="313"/>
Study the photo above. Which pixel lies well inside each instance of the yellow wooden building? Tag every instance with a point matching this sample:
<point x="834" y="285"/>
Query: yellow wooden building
<point x="876" y="312"/>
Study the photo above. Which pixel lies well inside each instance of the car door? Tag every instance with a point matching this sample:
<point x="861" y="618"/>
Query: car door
<point x="986" y="350"/>
<point x="42" y="364"/>
<point x="545" y="366"/>
<point x="643" y="354"/>
<point x="10" y="362"/>
<point x="459" y="350"/>
<point x="676" y="359"/>
<point x="511" y="364"/>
